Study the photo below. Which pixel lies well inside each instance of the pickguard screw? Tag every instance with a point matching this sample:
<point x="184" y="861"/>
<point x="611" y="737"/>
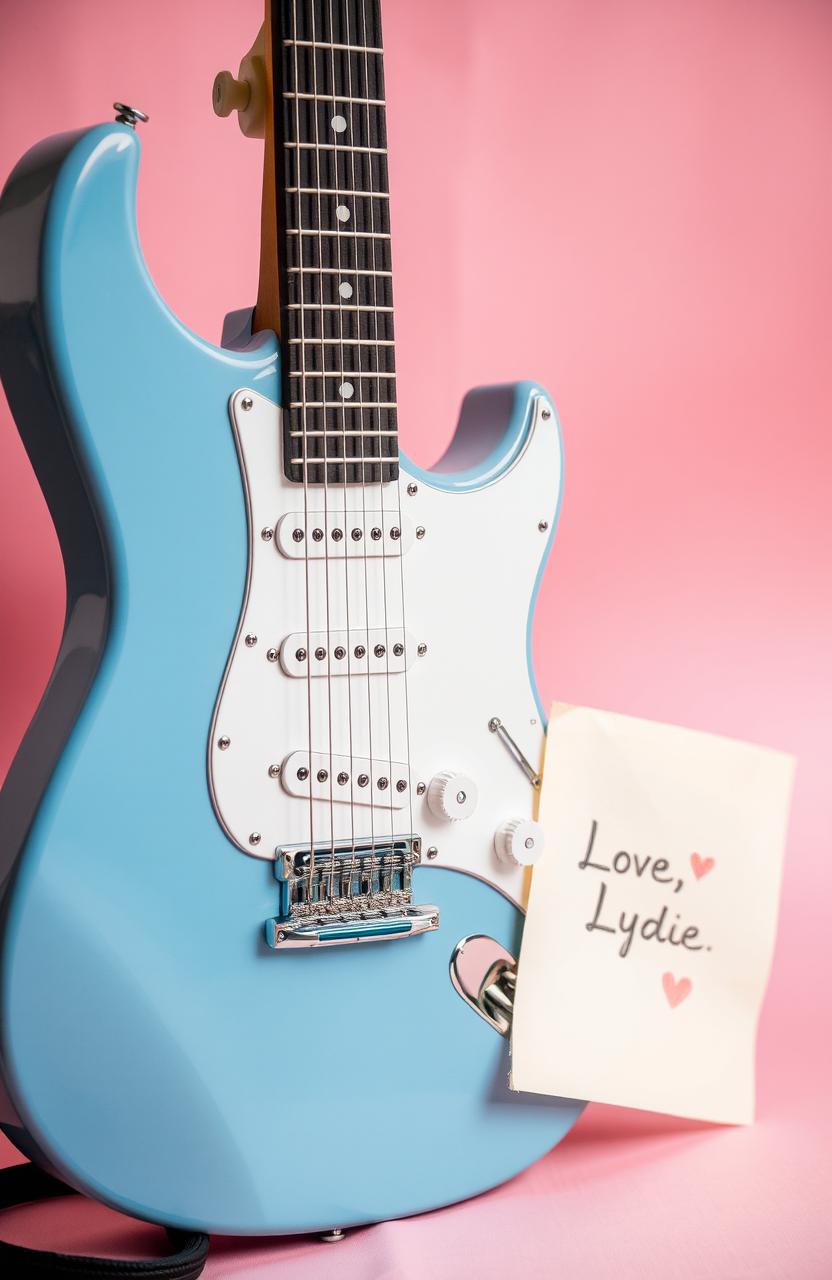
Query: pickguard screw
<point x="494" y="723"/>
<point x="421" y="788"/>
<point x="412" y="489"/>
<point x="297" y="535"/>
<point x="322" y="775"/>
<point x="421" y="649"/>
<point x="432" y="852"/>
<point x="343" y="779"/>
<point x="420" y="531"/>
<point x="303" y="774"/>
<point x="543" y="525"/>
<point x="401" y="785"/>
<point x="246" y="403"/>
<point x="272" y="655"/>
<point x="317" y="535"/>
<point x="382" y="784"/>
<point x="340" y="652"/>
<point x="300" y="654"/>
<point x="255" y="837"/>
<point x="546" y="414"/>
<point x="274" y="770"/>
<point x="267" y="534"/>
<point x="224" y="743"/>
<point x="337" y="535"/>
<point x="251" y="641"/>
<point x="363" y="779"/>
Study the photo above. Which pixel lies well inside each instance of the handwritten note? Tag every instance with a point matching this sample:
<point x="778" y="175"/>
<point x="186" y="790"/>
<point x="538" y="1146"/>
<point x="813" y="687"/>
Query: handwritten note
<point x="651" y="918"/>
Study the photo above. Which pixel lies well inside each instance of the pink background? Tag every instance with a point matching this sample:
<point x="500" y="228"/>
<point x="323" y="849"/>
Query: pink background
<point x="629" y="201"/>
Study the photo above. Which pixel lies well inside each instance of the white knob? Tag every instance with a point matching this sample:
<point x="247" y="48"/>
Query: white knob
<point x="452" y="796"/>
<point x="520" y="841"/>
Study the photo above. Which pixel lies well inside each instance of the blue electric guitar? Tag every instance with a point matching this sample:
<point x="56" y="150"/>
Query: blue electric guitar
<point x="265" y="843"/>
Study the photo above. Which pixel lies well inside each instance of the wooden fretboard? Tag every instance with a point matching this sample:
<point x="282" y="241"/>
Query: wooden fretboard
<point x="336" y="297"/>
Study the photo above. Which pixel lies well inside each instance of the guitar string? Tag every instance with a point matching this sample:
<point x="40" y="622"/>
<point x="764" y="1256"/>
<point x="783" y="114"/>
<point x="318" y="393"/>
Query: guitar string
<point x="384" y="519"/>
<point x="304" y="440"/>
<point x="363" y="464"/>
<point x="328" y="532"/>
<point x="382" y="94"/>
<point x="351" y="758"/>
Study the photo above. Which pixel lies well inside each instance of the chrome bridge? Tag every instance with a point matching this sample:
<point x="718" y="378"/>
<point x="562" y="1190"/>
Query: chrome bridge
<point x="348" y="892"/>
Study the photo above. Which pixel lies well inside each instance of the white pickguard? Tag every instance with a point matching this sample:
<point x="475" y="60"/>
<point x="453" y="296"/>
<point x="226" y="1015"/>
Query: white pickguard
<point x="462" y="589"/>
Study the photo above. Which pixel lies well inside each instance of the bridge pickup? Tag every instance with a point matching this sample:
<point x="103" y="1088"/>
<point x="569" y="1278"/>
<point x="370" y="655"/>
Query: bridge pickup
<point x="347" y="892"/>
<point x="385" y="651"/>
<point x="317" y="534"/>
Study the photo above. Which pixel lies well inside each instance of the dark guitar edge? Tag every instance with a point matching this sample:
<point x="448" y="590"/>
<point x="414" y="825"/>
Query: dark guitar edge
<point x="47" y="435"/>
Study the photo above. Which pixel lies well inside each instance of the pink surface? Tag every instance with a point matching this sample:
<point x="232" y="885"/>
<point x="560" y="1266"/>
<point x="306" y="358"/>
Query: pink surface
<point x="630" y="202"/>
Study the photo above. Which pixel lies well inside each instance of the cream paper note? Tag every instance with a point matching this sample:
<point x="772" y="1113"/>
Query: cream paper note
<point x="651" y="917"/>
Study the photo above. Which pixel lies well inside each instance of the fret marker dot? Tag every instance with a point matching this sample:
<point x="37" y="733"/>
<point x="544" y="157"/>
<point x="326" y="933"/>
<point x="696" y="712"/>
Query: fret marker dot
<point x="346" y="390"/>
<point x="342" y="213"/>
<point x="345" y="290"/>
<point x="338" y="123"/>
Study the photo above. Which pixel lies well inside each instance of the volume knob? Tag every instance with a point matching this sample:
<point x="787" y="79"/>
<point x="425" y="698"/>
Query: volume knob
<point x="520" y="842"/>
<point x="452" y="796"/>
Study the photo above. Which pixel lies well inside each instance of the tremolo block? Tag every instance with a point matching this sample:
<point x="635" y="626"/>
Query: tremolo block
<point x="347" y="892"/>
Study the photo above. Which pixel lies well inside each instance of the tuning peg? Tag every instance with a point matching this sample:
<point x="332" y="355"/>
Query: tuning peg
<point x="246" y="92"/>
<point x="229" y="94"/>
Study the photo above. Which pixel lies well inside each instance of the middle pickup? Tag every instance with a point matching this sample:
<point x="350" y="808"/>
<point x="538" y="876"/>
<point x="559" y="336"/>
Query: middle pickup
<point x="383" y="651"/>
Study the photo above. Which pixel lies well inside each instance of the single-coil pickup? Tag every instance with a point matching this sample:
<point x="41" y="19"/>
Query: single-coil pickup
<point x="335" y="534"/>
<point x="342" y="653"/>
<point x="384" y="784"/>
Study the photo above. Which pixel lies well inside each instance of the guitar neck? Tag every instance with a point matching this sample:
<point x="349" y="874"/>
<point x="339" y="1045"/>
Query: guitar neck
<point x="333" y="242"/>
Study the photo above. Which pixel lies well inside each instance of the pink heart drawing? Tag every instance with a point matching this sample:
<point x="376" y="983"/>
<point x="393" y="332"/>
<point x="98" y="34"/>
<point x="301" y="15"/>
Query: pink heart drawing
<point x="676" y="991"/>
<point x="701" y="866"/>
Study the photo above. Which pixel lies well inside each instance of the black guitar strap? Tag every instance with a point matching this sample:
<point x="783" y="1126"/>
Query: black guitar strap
<point x="25" y="1183"/>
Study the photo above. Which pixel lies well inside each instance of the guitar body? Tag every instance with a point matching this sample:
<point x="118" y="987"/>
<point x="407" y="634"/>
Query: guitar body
<point x="156" y="1051"/>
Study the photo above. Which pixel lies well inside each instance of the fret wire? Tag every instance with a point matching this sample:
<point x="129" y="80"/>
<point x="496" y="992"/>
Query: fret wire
<point x="336" y="97"/>
<point x="368" y="459"/>
<point x="343" y="404"/>
<point x="333" y="306"/>
<point x="336" y="146"/>
<point x="316" y="231"/>
<point x="325" y="44"/>
<point x="339" y="271"/>
<point x="353" y="342"/>
<point x="333" y="191"/>
<point x="369" y="434"/>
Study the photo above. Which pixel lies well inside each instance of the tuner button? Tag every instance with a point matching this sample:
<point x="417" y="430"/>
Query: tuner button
<point x="229" y="94"/>
<point x="452" y="796"/>
<point x="520" y="842"/>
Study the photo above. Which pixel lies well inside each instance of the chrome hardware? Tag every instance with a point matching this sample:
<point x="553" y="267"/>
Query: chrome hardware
<point x="496" y="725"/>
<point x="546" y="414"/>
<point x="360" y="651"/>
<point x="375" y="534"/>
<point x="363" y="538"/>
<point x="343" y="779"/>
<point x="272" y="655"/>
<point x="412" y="489"/>
<point x="322" y="775"/>
<point x="346" y="892"/>
<point x="340" y="652"/>
<point x="337" y="535"/>
<point x="422" y="649"/>
<point x="356" y="535"/>
<point x="401" y="785"/>
<point x="224" y="742"/>
<point x="383" y="784"/>
<point x="255" y="838"/>
<point x="129" y="115"/>
<point x="297" y="535"/>
<point x="379" y="650"/>
<point x="335" y="1236"/>
<point x="420" y="531"/>
<point x="543" y="525"/>
<point x="267" y="534"/>
<point x="303" y="774"/>
<point x="433" y="852"/>
<point x="274" y="770"/>
<point x="320" y="653"/>
<point x="251" y="641"/>
<point x="369" y="656"/>
<point x="363" y="779"/>
<point x="246" y="403"/>
<point x="484" y="974"/>
<point x="421" y="788"/>
<point x="300" y="655"/>
<point x="395" y="534"/>
<point x="317" y="535"/>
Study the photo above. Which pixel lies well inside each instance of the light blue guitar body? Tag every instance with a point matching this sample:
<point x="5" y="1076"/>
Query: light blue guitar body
<point x="155" y="1052"/>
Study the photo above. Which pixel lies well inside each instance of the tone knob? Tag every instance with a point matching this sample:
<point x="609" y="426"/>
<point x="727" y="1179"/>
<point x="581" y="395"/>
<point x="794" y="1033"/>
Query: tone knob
<point x="452" y="796"/>
<point x="520" y="842"/>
